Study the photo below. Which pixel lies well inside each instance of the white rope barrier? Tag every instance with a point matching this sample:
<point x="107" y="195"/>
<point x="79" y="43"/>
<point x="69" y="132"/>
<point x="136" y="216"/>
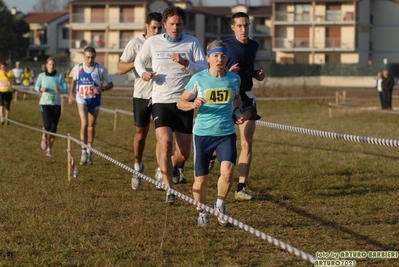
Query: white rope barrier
<point x="332" y="135"/>
<point x="26" y="89"/>
<point x="231" y="220"/>
<point x="33" y="128"/>
<point x="130" y="113"/>
<point x="346" y="137"/>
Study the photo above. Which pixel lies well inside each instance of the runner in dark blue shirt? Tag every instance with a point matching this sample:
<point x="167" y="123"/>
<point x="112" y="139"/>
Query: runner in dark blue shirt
<point x="241" y="60"/>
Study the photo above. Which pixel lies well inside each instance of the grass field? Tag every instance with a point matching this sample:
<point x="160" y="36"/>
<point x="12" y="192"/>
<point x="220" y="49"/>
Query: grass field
<point x="314" y="193"/>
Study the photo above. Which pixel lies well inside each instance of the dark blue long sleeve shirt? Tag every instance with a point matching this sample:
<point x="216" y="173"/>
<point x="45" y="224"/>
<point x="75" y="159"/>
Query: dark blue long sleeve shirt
<point x="244" y="55"/>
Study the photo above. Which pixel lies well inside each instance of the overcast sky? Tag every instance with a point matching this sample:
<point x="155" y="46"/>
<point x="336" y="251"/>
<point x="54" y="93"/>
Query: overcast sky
<point x="23" y="5"/>
<point x="27" y="5"/>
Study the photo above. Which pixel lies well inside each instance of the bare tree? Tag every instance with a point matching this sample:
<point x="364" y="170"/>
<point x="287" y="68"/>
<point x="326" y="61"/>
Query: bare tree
<point x="47" y="5"/>
<point x="65" y="4"/>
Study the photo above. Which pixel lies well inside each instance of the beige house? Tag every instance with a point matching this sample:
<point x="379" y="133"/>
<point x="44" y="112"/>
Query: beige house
<point x="109" y="25"/>
<point x="319" y="32"/>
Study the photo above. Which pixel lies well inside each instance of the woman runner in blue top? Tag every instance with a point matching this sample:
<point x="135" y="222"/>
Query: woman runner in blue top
<point x="51" y="84"/>
<point x="215" y="93"/>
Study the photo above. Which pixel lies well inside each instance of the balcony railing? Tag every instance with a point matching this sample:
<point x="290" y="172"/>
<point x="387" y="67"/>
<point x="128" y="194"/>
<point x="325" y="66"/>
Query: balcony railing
<point x="110" y="44"/>
<point x="333" y="15"/>
<point x="261" y="28"/>
<point x="330" y="15"/>
<point x="291" y="43"/>
<point x="102" y="18"/>
<point x="306" y="43"/>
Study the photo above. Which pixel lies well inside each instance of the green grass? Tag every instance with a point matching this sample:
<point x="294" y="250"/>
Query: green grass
<point x="315" y="193"/>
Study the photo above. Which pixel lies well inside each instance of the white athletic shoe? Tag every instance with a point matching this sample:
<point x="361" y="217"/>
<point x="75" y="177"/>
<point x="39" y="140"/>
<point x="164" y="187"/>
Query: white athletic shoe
<point x="136" y="180"/>
<point x="222" y="210"/>
<point x="43" y="144"/>
<point x="83" y="158"/>
<point x="89" y="160"/>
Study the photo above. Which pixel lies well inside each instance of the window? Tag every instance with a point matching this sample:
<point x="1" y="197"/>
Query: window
<point x="190" y="25"/>
<point x="41" y="37"/>
<point x="333" y="58"/>
<point x="211" y="24"/>
<point x="125" y="36"/>
<point x="302" y="12"/>
<point x="261" y="44"/>
<point x="32" y="37"/>
<point x="302" y="58"/>
<point x="97" y="14"/>
<point x="127" y="14"/>
<point x="65" y="33"/>
<point x="226" y="25"/>
<point x="333" y="12"/>
<point x="97" y="39"/>
<point x="260" y="21"/>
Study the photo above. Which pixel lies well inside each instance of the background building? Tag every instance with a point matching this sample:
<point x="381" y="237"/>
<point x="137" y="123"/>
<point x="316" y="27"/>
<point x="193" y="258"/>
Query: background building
<point x="318" y="32"/>
<point x="49" y="34"/>
<point x="108" y="26"/>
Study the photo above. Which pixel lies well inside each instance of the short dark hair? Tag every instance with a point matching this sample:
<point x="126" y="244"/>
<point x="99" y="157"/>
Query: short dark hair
<point x="89" y="49"/>
<point x="154" y="16"/>
<point x="172" y="11"/>
<point x="238" y="15"/>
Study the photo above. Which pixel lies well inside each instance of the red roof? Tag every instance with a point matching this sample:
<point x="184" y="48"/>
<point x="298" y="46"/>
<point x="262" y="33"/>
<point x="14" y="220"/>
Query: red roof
<point x="43" y="17"/>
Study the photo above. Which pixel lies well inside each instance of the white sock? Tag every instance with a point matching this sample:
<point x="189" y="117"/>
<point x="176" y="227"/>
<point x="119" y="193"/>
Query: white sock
<point x="137" y="166"/>
<point x="219" y="202"/>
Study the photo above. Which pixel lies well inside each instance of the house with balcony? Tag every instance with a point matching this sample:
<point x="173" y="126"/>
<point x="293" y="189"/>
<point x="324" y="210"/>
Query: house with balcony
<point x="49" y="33"/>
<point x="108" y="26"/>
<point x="318" y="32"/>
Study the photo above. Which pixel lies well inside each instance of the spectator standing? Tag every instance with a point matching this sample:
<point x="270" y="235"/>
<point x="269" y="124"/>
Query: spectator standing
<point x="387" y="86"/>
<point x="6" y="81"/>
<point x="18" y="77"/>
<point x="378" y="87"/>
<point x="26" y="79"/>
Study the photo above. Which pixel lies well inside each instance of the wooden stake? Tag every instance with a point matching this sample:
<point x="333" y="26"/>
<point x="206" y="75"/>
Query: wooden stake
<point x="115" y="118"/>
<point x="69" y="157"/>
<point x="62" y="103"/>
